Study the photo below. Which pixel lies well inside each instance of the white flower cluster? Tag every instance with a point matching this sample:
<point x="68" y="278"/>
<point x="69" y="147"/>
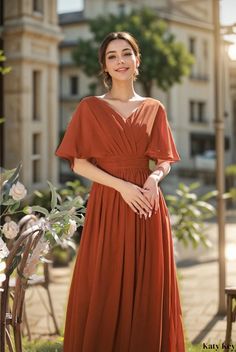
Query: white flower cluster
<point x="18" y="191"/>
<point x="41" y="248"/>
<point x="4" y="251"/>
<point x="3" y="254"/>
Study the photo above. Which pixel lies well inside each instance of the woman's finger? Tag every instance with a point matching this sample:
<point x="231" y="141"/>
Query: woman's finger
<point x="145" y="198"/>
<point x="133" y="208"/>
<point x="144" y="202"/>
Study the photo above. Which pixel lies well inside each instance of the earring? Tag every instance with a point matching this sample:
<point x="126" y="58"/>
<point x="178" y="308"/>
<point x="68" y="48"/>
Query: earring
<point x="136" y="73"/>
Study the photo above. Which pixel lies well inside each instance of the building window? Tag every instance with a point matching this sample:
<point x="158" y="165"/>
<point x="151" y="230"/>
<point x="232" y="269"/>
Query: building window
<point x="36" y="144"/>
<point x="36" y="95"/>
<point x="38" y="6"/>
<point x="197" y="111"/>
<point x="192" y="45"/>
<point x="36" y="158"/>
<point x="193" y="50"/>
<point x="74" y="85"/>
<point x="202" y="142"/>
<point x="36" y="171"/>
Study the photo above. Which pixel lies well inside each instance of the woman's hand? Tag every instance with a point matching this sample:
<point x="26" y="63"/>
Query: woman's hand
<point x="134" y="196"/>
<point x="152" y="192"/>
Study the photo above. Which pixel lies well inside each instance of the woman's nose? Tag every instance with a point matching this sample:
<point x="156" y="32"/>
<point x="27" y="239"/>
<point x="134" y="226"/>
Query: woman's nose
<point x="121" y="60"/>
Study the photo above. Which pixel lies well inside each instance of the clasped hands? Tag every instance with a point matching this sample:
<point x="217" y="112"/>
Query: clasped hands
<point x="142" y="200"/>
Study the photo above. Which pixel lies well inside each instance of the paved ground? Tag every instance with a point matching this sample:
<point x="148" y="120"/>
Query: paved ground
<point x="198" y="288"/>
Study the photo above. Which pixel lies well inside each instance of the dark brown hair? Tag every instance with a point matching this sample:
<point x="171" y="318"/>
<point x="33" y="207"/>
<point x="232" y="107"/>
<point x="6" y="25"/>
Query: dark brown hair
<point x="107" y="80"/>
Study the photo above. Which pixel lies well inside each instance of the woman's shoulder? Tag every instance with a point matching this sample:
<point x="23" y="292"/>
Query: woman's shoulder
<point x="156" y="103"/>
<point x="84" y="104"/>
<point x="85" y="99"/>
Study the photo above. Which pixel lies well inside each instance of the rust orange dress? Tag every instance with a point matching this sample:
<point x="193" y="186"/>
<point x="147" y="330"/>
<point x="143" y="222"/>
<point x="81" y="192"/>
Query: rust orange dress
<point x="124" y="294"/>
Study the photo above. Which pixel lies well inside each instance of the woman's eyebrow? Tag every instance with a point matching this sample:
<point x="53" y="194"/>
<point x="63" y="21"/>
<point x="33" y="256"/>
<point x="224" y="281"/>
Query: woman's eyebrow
<point x="114" y="51"/>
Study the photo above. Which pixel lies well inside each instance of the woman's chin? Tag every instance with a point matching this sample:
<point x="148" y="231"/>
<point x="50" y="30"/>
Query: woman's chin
<point x="127" y="78"/>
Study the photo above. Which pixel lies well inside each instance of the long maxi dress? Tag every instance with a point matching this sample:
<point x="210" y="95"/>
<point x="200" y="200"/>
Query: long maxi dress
<point x="124" y="294"/>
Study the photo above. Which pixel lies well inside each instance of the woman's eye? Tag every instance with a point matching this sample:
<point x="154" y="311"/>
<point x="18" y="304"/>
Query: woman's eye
<point x="113" y="56"/>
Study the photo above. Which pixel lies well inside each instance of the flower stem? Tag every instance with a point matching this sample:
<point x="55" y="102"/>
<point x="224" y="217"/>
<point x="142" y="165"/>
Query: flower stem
<point x="15" y="212"/>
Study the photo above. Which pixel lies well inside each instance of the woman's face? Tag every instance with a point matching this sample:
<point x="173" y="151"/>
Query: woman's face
<point x="120" y="60"/>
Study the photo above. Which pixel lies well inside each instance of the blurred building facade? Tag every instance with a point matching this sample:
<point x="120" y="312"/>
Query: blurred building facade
<point x="190" y="105"/>
<point x="30" y="36"/>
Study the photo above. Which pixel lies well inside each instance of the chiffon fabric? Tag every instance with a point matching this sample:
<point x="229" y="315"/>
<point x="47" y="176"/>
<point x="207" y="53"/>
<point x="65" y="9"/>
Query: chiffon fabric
<point x="124" y="294"/>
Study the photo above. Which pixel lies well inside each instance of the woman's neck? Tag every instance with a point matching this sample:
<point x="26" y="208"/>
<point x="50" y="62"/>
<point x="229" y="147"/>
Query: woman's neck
<point x="122" y="92"/>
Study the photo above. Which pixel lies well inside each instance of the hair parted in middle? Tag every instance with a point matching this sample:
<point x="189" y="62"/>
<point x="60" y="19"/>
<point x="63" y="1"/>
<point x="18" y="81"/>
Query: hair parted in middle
<point x="107" y="80"/>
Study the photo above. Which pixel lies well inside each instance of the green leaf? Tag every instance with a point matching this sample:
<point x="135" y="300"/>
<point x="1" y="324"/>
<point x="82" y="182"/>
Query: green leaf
<point x="15" y="175"/>
<point x="10" y="201"/>
<point x="209" y="195"/>
<point x="192" y="196"/>
<point x="58" y="215"/>
<point x="14" y="207"/>
<point x="171" y="198"/>
<point x="38" y="194"/>
<point x="205" y="206"/>
<point x="194" y="211"/>
<point x="53" y="195"/>
<point x="180" y="193"/>
<point x="79" y="220"/>
<point x="183" y="187"/>
<point x="227" y="195"/>
<point x="194" y="185"/>
<point x="39" y="209"/>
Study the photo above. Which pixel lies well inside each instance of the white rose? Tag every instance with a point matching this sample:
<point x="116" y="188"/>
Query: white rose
<point x="4" y="251"/>
<point x="72" y="228"/>
<point x="10" y="229"/>
<point x="18" y="191"/>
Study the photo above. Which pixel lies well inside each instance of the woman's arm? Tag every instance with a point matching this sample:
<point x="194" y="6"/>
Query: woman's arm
<point x="151" y="184"/>
<point x="162" y="170"/>
<point x="84" y="168"/>
<point x="131" y="193"/>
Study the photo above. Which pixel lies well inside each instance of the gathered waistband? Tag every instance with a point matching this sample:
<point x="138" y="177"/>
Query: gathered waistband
<point x="118" y="162"/>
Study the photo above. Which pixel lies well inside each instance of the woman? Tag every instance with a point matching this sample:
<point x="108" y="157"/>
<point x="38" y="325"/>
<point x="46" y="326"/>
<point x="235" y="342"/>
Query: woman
<point x="124" y="293"/>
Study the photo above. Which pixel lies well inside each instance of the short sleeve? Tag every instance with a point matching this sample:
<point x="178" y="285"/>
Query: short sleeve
<point x="162" y="145"/>
<point x="76" y="140"/>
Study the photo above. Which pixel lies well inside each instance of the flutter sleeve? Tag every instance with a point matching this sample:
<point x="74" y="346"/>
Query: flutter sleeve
<point x="76" y="140"/>
<point x="162" y="145"/>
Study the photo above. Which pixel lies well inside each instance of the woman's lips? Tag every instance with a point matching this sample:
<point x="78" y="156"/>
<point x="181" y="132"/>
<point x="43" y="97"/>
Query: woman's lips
<point x="122" y="69"/>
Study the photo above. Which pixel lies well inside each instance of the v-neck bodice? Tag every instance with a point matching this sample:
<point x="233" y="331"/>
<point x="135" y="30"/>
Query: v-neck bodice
<point x="114" y="110"/>
<point x="98" y="131"/>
